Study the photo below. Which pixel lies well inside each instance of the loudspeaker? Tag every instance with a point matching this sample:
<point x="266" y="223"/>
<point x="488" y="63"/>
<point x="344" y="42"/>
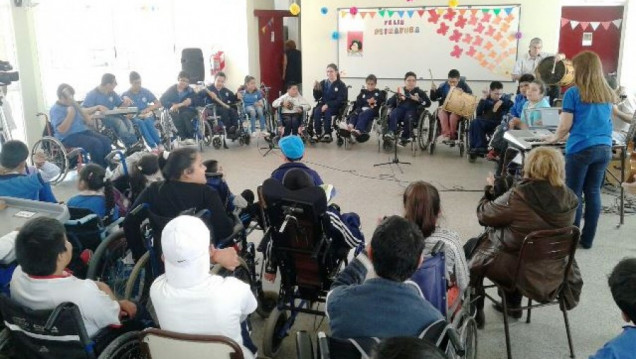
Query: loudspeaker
<point x="192" y="63"/>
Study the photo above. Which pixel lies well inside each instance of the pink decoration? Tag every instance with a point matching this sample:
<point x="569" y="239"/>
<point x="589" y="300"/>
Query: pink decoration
<point x="433" y="16"/>
<point x="353" y="10"/>
<point x="456" y="36"/>
<point x="457" y="52"/>
<point x="443" y="29"/>
<point x="518" y="35"/>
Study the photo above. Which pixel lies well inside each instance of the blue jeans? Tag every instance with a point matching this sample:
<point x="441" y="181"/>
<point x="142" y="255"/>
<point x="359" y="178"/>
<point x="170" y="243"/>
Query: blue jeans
<point x="252" y="111"/>
<point x="584" y="173"/>
<point x="479" y="128"/>
<point x="123" y="129"/>
<point x="319" y="124"/>
<point x="148" y="131"/>
<point x="400" y="114"/>
<point x="361" y="120"/>
<point x="96" y="144"/>
<point x="291" y="122"/>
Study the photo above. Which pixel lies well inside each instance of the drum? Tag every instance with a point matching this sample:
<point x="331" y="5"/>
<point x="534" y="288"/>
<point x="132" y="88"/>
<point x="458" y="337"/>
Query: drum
<point x="562" y="74"/>
<point x="460" y="103"/>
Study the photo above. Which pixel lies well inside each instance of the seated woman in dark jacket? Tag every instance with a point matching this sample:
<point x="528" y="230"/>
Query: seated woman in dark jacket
<point x="538" y="202"/>
<point x="184" y="189"/>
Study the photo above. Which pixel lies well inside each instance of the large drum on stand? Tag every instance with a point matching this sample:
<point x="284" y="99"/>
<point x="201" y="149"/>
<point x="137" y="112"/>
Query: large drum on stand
<point x="460" y="103"/>
<point x="561" y="73"/>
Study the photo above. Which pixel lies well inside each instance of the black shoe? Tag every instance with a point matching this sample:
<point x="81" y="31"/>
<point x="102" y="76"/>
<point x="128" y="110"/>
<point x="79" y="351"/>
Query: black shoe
<point x="480" y="319"/>
<point x="327" y="138"/>
<point x="515" y="314"/>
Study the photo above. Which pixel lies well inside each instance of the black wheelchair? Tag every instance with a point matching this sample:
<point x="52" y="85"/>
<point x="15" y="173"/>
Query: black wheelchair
<point x="296" y="243"/>
<point x="59" y="333"/>
<point x="218" y="130"/>
<point x="419" y="129"/>
<point x="462" y="134"/>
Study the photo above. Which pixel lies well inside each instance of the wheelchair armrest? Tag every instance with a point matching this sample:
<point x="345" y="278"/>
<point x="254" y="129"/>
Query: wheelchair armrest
<point x="237" y="231"/>
<point x="81" y="221"/>
<point x="141" y="207"/>
<point x="457" y="344"/>
<point x="323" y="346"/>
<point x="304" y="346"/>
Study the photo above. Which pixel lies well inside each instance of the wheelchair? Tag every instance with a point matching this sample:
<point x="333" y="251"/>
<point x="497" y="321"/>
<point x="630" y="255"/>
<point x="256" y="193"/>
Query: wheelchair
<point x="462" y="134"/>
<point x="163" y="344"/>
<point x="202" y="130"/>
<point x="66" y="158"/>
<point x="218" y="130"/>
<point x="58" y="333"/>
<point x="296" y="243"/>
<point x="343" y="112"/>
<point x="167" y="129"/>
<point x="419" y="130"/>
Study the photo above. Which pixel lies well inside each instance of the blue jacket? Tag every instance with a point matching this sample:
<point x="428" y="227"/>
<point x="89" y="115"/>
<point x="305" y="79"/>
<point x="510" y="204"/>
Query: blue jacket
<point x="485" y="109"/>
<point x="333" y="96"/>
<point x="172" y="96"/>
<point x="279" y="173"/>
<point x="408" y="103"/>
<point x="225" y="95"/>
<point x="621" y="347"/>
<point x="442" y="91"/>
<point x="30" y="187"/>
<point x="376" y="307"/>
<point x="517" y="109"/>
<point x="378" y="95"/>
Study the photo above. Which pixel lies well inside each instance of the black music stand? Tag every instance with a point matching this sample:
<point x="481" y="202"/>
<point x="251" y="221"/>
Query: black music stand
<point x="395" y="160"/>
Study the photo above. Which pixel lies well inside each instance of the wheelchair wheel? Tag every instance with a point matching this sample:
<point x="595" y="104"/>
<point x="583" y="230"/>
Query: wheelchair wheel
<point x="136" y="285"/>
<point x="431" y="137"/>
<point x="462" y="134"/>
<point x="266" y="303"/>
<point x="112" y="263"/>
<point x="468" y="338"/>
<point x="216" y="142"/>
<point x="340" y="141"/>
<point x="275" y="332"/>
<point x="423" y="130"/>
<point x="123" y="347"/>
<point x="207" y="134"/>
<point x="55" y="152"/>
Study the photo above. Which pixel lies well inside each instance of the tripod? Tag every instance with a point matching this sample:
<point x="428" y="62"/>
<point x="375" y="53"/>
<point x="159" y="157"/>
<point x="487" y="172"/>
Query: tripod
<point x="395" y="160"/>
<point x="5" y="130"/>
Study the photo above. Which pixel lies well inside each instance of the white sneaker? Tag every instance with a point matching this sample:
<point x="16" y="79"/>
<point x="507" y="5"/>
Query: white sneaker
<point x="190" y="142"/>
<point x="343" y="126"/>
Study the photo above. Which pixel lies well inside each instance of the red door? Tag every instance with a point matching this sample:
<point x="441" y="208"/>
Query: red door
<point x="270" y="40"/>
<point x="601" y="23"/>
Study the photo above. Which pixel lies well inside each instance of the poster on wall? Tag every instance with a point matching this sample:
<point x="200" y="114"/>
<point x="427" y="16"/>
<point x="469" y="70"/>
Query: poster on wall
<point x="479" y="41"/>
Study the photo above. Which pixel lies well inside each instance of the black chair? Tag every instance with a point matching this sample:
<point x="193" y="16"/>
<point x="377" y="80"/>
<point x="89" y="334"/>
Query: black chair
<point x="548" y="247"/>
<point x="58" y="333"/>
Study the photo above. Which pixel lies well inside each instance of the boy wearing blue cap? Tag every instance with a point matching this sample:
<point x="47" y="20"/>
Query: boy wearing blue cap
<point x="293" y="150"/>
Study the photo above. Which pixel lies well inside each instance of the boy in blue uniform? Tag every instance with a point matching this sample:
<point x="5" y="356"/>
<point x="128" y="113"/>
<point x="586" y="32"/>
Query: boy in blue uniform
<point x="622" y="283"/>
<point x="105" y="95"/>
<point x="449" y="121"/>
<point x="224" y="98"/>
<point x="405" y="107"/>
<point x="180" y="100"/>
<point x="253" y="104"/>
<point x="146" y="103"/>
<point x="366" y="108"/>
<point x="331" y="95"/>
<point x="13" y="180"/>
<point x="490" y="112"/>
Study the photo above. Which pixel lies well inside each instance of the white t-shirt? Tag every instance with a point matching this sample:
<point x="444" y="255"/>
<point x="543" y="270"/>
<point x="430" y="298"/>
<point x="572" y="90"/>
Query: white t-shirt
<point x="217" y="306"/>
<point x="97" y="308"/>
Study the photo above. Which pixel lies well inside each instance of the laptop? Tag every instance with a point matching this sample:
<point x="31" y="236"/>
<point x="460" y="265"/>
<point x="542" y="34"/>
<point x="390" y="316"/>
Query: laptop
<point x="545" y="117"/>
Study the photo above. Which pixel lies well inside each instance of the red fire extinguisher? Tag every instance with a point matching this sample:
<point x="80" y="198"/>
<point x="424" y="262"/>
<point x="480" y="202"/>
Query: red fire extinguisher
<point x="217" y="62"/>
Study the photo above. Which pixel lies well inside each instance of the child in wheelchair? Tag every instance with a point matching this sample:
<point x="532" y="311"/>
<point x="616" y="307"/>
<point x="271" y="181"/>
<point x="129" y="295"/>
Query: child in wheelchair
<point x="448" y="120"/>
<point x="253" y="104"/>
<point x="366" y="108"/>
<point x="180" y="100"/>
<point x="137" y="172"/>
<point x="223" y="99"/>
<point x="404" y="108"/>
<point x="233" y="204"/>
<point x="292" y="106"/>
<point x="190" y="300"/>
<point x="490" y="111"/>
<point x="96" y="193"/>
<point x="342" y="228"/>
<point x="15" y="181"/>
<point x="41" y="280"/>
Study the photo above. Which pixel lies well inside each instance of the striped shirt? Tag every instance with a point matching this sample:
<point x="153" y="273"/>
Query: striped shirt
<point x="453" y="250"/>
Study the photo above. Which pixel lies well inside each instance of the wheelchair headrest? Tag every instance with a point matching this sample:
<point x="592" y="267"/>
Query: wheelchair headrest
<point x="276" y="195"/>
<point x="296" y="179"/>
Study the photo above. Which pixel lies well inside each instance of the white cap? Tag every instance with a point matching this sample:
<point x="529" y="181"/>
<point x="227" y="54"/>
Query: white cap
<point x="185" y="242"/>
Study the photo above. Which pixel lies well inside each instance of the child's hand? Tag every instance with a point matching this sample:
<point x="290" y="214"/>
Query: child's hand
<point x="270" y="277"/>
<point x="490" y="180"/>
<point x="39" y="158"/>
<point x="128" y="309"/>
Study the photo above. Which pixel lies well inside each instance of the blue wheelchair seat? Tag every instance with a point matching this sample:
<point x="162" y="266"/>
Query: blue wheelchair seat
<point x="431" y="278"/>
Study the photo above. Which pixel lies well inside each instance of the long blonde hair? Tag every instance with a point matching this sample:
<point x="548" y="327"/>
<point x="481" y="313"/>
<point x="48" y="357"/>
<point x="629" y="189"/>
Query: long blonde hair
<point x="588" y="76"/>
<point x="545" y="163"/>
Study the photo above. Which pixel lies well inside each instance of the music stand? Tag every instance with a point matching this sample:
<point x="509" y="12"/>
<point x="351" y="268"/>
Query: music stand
<point x="395" y="159"/>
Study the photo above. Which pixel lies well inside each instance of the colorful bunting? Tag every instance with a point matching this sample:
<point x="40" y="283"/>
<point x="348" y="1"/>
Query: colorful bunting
<point x="593" y="24"/>
<point x="410" y="13"/>
<point x="584" y="25"/>
<point x="401" y="13"/>
<point x="496" y="11"/>
<point x="508" y="10"/>
<point x="574" y="24"/>
<point x="606" y="24"/>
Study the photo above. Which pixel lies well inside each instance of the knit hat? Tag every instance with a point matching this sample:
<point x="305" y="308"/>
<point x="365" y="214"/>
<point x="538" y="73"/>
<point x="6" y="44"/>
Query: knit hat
<point x="185" y="242"/>
<point x="292" y="147"/>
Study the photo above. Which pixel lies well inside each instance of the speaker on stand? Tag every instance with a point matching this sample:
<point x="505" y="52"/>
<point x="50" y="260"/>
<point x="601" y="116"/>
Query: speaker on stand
<point x="192" y="63"/>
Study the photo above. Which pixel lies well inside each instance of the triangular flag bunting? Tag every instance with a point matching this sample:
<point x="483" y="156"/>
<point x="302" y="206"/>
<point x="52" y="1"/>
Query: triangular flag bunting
<point x="606" y="24"/>
<point x="390" y="13"/>
<point x="440" y="11"/>
<point x="508" y="10"/>
<point x="372" y="14"/>
<point x="462" y="11"/>
<point x="496" y="11"/>
<point x="343" y="13"/>
<point x="574" y="24"/>
<point x="617" y="23"/>
<point x="474" y="11"/>
<point x="584" y="25"/>
<point x="382" y="12"/>
<point x="401" y="13"/>
<point x="421" y="12"/>
<point x="485" y="10"/>
<point x="410" y="13"/>
<point x="564" y="21"/>
<point x="594" y="25"/>
<point x="363" y="14"/>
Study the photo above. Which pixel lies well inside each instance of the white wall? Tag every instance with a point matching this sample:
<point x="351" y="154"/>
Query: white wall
<point x="539" y="18"/>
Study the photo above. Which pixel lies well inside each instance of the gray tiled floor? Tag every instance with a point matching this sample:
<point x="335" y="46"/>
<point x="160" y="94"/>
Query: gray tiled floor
<point x="373" y="192"/>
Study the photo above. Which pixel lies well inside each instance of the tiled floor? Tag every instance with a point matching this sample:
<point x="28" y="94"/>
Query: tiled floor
<point x="373" y="192"/>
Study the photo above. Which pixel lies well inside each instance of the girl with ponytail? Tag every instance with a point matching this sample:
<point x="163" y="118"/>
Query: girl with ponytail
<point x="96" y="193"/>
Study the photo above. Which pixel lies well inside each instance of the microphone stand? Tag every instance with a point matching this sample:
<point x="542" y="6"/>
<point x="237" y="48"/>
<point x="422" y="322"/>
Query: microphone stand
<point x="395" y="160"/>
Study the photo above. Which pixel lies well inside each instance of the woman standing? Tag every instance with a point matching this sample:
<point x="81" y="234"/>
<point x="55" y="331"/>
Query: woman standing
<point x="586" y="117"/>
<point x="292" y="65"/>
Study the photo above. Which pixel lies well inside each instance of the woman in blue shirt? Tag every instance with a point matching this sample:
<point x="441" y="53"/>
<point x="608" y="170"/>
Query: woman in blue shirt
<point x="586" y="117"/>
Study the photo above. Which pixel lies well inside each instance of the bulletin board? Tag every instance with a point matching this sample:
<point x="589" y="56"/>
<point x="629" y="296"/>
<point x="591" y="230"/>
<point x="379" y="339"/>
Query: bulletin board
<point x="480" y="41"/>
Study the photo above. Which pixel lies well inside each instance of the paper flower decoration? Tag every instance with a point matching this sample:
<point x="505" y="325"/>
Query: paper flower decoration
<point x="518" y="35"/>
<point x="335" y="35"/>
<point x="294" y="9"/>
<point x="353" y="10"/>
<point x="453" y="3"/>
<point x="324" y="10"/>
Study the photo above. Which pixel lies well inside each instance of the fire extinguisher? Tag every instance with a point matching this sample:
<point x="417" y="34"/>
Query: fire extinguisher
<point x="217" y="62"/>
